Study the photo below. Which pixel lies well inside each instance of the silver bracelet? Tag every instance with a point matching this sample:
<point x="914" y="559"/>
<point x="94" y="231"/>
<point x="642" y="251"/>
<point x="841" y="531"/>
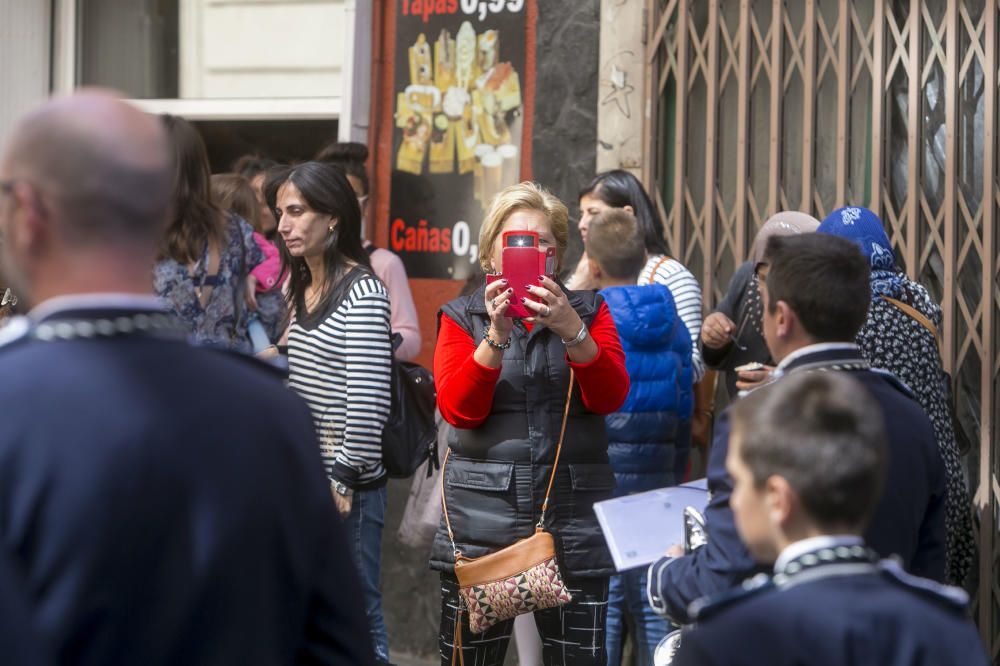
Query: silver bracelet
<point x="502" y="346"/>
<point x="578" y="338"/>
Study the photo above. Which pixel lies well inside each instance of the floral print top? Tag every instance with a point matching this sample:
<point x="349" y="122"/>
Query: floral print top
<point x="893" y="340"/>
<point x="223" y="320"/>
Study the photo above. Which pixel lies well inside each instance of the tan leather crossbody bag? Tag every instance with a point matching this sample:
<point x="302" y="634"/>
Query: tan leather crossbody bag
<point x="521" y="578"/>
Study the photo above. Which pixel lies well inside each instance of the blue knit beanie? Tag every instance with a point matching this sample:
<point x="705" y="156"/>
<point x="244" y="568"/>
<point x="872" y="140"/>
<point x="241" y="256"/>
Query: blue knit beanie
<point x="864" y="228"/>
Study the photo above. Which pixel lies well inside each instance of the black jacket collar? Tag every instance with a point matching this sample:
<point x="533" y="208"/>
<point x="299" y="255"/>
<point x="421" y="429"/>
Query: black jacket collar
<point x="836" y="356"/>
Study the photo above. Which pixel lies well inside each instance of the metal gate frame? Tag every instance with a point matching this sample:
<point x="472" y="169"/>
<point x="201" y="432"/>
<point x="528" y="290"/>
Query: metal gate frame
<point x="908" y="93"/>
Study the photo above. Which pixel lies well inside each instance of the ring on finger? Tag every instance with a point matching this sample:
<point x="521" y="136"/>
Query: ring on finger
<point x="548" y="311"/>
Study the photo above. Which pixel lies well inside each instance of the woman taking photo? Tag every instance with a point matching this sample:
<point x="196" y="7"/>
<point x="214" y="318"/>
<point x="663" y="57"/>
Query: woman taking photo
<point x="339" y="354"/>
<point x="207" y="254"/>
<point x="503" y="384"/>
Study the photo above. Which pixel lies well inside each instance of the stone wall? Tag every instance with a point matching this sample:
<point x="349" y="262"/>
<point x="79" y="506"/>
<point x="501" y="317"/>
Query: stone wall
<point x="564" y="157"/>
<point x="565" y="153"/>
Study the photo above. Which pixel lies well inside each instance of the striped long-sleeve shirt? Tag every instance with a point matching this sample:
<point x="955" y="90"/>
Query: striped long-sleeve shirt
<point x="687" y="298"/>
<point x="342" y="368"/>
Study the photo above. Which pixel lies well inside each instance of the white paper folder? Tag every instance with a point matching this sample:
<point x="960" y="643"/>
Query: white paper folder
<point x="639" y="528"/>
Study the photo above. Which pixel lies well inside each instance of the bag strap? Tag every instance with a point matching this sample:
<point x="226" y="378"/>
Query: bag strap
<point x="555" y="464"/>
<point x="919" y="317"/>
<point x="338" y="295"/>
<point x="552" y="476"/>
<point x="652" y="276"/>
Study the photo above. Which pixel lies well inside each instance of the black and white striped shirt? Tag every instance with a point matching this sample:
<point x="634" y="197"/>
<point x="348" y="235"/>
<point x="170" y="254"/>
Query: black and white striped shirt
<point x="687" y="297"/>
<point x="342" y="368"/>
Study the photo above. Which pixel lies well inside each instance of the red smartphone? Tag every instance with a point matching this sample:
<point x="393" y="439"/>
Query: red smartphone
<point x="523" y="262"/>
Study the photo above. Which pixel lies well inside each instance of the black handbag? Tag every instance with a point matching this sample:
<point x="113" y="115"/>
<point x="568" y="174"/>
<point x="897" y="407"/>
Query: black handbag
<point x="409" y="436"/>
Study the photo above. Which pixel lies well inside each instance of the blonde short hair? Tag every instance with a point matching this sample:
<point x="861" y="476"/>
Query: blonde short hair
<point x="524" y="196"/>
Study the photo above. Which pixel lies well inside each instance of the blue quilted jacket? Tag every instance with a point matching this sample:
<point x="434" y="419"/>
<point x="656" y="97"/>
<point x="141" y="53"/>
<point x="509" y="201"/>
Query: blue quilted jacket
<point x="650" y="436"/>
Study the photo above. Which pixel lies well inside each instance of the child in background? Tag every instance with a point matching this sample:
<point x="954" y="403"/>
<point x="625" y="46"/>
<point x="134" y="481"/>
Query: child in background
<point x="233" y="192"/>
<point x="644" y="436"/>
<point x="255" y="169"/>
<point x="807" y="456"/>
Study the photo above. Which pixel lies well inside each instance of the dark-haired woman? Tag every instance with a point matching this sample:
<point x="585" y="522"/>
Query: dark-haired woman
<point x="206" y="254"/>
<point x="351" y="157"/>
<point x="620" y="189"/>
<point x="339" y="354"/>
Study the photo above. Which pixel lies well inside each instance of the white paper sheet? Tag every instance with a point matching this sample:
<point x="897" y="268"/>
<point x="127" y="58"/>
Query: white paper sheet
<point x="639" y="528"/>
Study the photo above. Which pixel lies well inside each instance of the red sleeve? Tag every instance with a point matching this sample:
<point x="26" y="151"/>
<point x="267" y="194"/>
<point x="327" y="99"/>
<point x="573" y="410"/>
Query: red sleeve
<point x="464" y="387"/>
<point x="603" y="380"/>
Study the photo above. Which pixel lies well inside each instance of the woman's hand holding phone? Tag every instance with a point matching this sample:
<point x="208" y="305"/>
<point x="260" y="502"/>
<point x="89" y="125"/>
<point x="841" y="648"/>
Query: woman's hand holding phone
<point x="552" y="308"/>
<point x="498" y="295"/>
<point x="489" y="352"/>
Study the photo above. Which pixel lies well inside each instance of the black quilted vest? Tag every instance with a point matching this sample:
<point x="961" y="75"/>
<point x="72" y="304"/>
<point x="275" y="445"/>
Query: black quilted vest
<point x="496" y="475"/>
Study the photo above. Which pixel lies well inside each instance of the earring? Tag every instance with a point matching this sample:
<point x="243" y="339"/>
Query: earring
<point x="330" y="228"/>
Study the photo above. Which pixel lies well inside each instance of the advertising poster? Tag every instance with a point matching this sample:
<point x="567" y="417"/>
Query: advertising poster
<point x="458" y="135"/>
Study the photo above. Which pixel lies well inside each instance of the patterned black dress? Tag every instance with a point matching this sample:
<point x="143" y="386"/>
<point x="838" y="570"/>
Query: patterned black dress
<point x="894" y="341"/>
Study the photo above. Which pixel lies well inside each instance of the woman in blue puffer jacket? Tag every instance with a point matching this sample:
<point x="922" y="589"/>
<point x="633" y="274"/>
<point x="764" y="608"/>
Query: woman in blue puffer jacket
<point x="650" y="436"/>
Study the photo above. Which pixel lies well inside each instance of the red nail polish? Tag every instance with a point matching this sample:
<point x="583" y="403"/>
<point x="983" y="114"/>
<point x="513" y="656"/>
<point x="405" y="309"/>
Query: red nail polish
<point x="524" y="300"/>
<point x="504" y="281"/>
<point x="541" y="278"/>
<point x="510" y="291"/>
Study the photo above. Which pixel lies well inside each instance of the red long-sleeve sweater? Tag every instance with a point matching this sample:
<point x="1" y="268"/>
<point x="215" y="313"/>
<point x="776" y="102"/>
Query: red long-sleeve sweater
<point x="465" y="387"/>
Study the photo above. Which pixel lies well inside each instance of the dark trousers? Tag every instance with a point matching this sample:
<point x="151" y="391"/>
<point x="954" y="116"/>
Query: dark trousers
<point x="572" y="635"/>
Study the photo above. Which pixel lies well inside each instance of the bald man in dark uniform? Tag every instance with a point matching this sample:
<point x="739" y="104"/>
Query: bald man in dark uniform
<point x="165" y="503"/>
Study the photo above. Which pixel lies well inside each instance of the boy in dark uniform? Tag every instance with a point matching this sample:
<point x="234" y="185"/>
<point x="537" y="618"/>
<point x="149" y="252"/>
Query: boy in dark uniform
<point x="807" y="457"/>
<point x="815" y="293"/>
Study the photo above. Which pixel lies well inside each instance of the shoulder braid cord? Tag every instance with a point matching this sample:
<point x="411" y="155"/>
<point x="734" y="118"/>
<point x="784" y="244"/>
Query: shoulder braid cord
<point x="457" y="642"/>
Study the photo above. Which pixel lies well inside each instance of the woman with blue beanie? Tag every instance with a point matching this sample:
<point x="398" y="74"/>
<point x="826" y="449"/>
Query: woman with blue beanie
<point x="901" y="336"/>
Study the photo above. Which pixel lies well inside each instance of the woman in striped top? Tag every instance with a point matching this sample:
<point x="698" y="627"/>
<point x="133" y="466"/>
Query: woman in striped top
<point x="339" y="353"/>
<point x="620" y="189"/>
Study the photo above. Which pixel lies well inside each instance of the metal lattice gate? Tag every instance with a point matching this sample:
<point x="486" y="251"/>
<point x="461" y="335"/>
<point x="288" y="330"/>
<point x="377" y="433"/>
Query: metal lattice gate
<point x="767" y="105"/>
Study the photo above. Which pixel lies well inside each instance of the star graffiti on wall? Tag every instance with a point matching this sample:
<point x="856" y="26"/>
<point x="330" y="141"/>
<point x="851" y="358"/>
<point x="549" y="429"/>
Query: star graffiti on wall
<point x="621" y="90"/>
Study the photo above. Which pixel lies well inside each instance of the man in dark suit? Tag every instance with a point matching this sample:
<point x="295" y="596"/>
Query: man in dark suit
<point x="807" y="458"/>
<point x="815" y="294"/>
<point x="165" y="503"/>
